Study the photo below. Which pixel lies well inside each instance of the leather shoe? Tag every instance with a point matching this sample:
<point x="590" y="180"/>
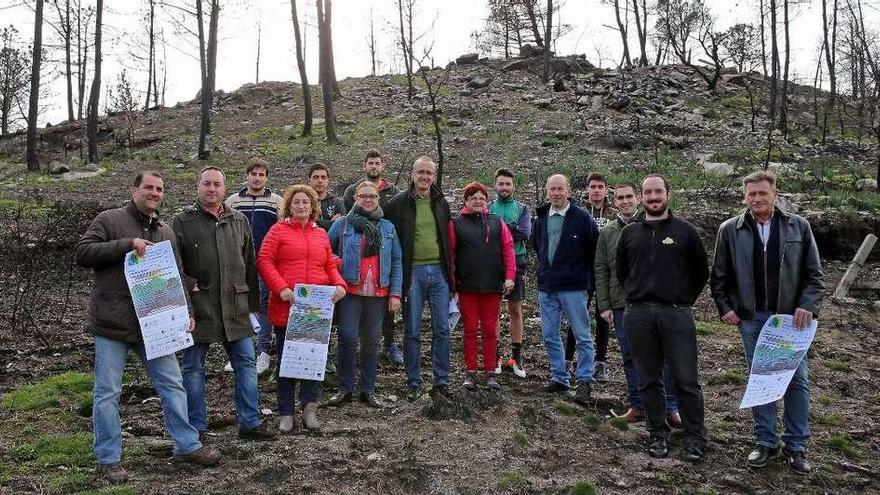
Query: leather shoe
<point x="659" y="448"/>
<point x="674" y="420"/>
<point x="760" y="455"/>
<point x="370" y="399"/>
<point x="633" y="416"/>
<point x="798" y="462"/>
<point x="202" y="457"/>
<point x="556" y="387"/>
<point x="338" y="398"/>
<point x="692" y="453"/>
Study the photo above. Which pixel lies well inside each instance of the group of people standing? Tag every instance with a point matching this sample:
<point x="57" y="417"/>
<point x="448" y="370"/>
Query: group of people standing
<point x="387" y="250"/>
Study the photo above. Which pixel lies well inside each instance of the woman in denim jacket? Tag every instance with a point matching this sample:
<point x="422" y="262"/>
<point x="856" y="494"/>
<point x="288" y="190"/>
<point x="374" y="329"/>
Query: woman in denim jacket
<point x="372" y="268"/>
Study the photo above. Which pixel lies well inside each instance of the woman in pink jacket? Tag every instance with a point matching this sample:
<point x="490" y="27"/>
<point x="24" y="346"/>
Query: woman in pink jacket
<point x="484" y="267"/>
<point x="296" y="251"/>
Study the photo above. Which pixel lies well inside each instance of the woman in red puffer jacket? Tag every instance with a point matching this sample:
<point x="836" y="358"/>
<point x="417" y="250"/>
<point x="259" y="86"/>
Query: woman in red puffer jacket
<point x="296" y="251"/>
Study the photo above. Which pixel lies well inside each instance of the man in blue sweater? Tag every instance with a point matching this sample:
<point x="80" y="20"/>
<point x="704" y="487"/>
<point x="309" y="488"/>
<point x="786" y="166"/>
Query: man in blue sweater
<point x="564" y="238"/>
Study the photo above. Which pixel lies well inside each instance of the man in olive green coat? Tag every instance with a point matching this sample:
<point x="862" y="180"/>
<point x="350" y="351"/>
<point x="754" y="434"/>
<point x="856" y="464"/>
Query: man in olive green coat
<point x="217" y="250"/>
<point x="611" y="300"/>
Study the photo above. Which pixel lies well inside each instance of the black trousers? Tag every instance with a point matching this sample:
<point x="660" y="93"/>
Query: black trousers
<point x="659" y="332"/>
<point x="387" y="330"/>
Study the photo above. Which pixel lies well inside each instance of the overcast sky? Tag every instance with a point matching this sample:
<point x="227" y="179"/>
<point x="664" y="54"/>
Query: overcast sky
<point x="453" y="21"/>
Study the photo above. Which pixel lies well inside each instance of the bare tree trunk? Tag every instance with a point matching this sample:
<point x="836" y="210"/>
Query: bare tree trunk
<point x="783" y="101"/>
<point x="533" y="22"/>
<point x="774" y="66"/>
<point x="407" y="48"/>
<point x="816" y="85"/>
<point x="205" y="123"/>
<point x="151" y="63"/>
<point x="259" y="43"/>
<point x="831" y="61"/>
<point x="761" y="17"/>
<point x="547" y="38"/>
<point x="642" y="29"/>
<point x="622" y="28"/>
<point x="33" y="163"/>
<point x="66" y="32"/>
<point x="372" y="46"/>
<point x="328" y="24"/>
<point x="83" y="48"/>
<point x="94" y="96"/>
<point x="304" y="80"/>
<point x="326" y="55"/>
<point x="433" y="89"/>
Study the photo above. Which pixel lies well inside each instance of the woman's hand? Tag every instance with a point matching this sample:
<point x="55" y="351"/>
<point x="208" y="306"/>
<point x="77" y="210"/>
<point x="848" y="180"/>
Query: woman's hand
<point x="393" y="304"/>
<point x="286" y="295"/>
<point x="508" y="286"/>
<point x="339" y="294"/>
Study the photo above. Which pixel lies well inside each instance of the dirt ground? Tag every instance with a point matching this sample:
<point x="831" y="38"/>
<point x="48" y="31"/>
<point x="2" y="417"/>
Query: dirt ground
<point x="534" y="442"/>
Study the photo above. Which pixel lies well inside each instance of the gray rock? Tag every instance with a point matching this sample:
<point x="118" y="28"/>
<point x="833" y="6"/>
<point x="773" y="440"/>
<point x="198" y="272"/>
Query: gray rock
<point x="782" y="168"/>
<point x="528" y="51"/>
<point x="623" y="141"/>
<point x="866" y="185"/>
<point x="460" y="140"/>
<point x="70" y="176"/>
<point x="543" y="102"/>
<point x="515" y="65"/>
<point x="346" y="122"/>
<point x="875" y="306"/>
<point x="58" y="168"/>
<point x="618" y="101"/>
<point x="718" y="169"/>
<point x="455" y="123"/>
<point x="465" y="112"/>
<point x="583" y="101"/>
<point x="479" y="81"/>
<point x="468" y="58"/>
<point x="596" y="104"/>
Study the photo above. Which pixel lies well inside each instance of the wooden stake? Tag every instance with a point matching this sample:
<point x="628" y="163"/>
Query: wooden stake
<point x="853" y="271"/>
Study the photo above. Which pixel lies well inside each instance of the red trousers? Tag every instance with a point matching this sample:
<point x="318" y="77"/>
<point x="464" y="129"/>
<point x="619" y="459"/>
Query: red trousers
<point x="479" y="312"/>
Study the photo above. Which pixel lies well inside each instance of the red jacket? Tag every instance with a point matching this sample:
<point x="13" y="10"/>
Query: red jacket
<point x="295" y="254"/>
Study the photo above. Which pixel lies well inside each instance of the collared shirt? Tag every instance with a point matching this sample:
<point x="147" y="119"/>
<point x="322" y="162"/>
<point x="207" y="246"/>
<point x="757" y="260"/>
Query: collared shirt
<point x="562" y="212"/>
<point x="555" y="219"/>
<point x="763" y="229"/>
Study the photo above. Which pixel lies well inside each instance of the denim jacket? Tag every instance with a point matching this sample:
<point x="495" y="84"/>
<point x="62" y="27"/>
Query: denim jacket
<point x="347" y="245"/>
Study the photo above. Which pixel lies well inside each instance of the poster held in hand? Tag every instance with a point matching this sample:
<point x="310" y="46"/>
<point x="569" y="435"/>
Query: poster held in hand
<point x="159" y="301"/>
<point x="779" y="351"/>
<point x="308" y="332"/>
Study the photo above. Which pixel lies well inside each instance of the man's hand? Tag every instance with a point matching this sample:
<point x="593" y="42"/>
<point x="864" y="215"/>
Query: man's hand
<point x="730" y="318"/>
<point x="286" y="295"/>
<point x="140" y="245"/>
<point x="192" y="325"/>
<point x="608" y="315"/>
<point x="802" y="318"/>
<point x="508" y="286"/>
<point x="393" y="304"/>
<point x="338" y="294"/>
<point x="336" y="217"/>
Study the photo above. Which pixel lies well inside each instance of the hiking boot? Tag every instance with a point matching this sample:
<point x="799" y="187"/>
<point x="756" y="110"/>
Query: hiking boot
<point x="658" y="448"/>
<point x="470" y="380"/>
<point x="441" y="389"/>
<point x="228" y="367"/>
<point x="582" y="393"/>
<point x="760" y="455"/>
<point x="285" y="423"/>
<point x="633" y="416"/>
<point x="370" y="399"/>
<point x="491" y="381"/>
<point x="260" y="433"/>
<point x="500" y="367"/>
<point x="114" y="473"/>
<point x="556" y="387"/>
<point x="310" y="417"/>
<point x="798" y="462"/>
<point x="413" y="393"/>
<point x="338" y="398"/>
<point x="692" y="453"/>
<point x="263" y="361"/>
<point x="202" y="457"/>
<point x="518" y="369"/>
<point x="674" y="420"/>
<point x="394" y="355"/>
<point x="600" y="372"/>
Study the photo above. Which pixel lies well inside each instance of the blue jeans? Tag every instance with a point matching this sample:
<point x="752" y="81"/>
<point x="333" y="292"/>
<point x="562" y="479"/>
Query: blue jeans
<point x="246" y="394"/>
<point x="428" y="283"/>
<point x="110" y="357"/>
<point x="796" y="413"/>
<point x="364" y="315"/>
<point x="632" y="375"/>
<point x="309" y="390"/>
<point x="574" y="305"/>
<point x="264" y="336"/>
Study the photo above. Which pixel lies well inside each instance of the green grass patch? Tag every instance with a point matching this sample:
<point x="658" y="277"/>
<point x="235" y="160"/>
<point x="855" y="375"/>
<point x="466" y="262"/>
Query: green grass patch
<point x="513" y="480"/>
<point x="619" y="423"/>
<point x="824" y="399"/>
<point x="582" y="488"/>
<point x="113" y="490"/>
<point x="706" y="328"/>
<point x="520" y="439"/>
<point x="832" y="419"/>
<point x="836" y="365"/>
<point x="844" y="445"/>
<point x="56" y="450"/>
<point x="722" y="425"/>
<point x="727" y="377"/>
<point x="70" y="481"/>
<point x="592" y="421"/>
<point x="565" y="408"/>
<point x="50" y="392"/>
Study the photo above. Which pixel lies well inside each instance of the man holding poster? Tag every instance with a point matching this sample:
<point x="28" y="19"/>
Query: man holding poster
<point x="766" y="263"/>
<point x="114" y="324"/>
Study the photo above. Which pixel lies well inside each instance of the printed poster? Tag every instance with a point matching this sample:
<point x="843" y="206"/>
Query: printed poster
<point x="778" y="353"/>
<point x="159" y="301"/>
<point x="308" y="332"/>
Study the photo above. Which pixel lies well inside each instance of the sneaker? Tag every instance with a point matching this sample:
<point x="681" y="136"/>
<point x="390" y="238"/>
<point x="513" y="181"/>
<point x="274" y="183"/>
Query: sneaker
<point x="798" y="462"/>
<point x="285" y="423"/>
<point x="556" y="387"/>
<point x="470" y="380"/>
<point x="500" y="367"/>
<point x="692" y="453"/>
<point x="202" y="457"/>
<point x="582" y="393"/>
<point x="370" y="399"/>
<point x="518" y="369"/>
<point x="394" y="355"/>
<point x="491" y="381"/>
<point x="600" y="373"/>
<point x="658" y="448"/>
<point x="228" y="367"/>
<point x="330" y="368"/>
<point x="114" y="473"/>
<point x="259" y="433"/>
<point x="263" y="361"/>
<point x="338" y="398"/>
<point x="760" y="455"/>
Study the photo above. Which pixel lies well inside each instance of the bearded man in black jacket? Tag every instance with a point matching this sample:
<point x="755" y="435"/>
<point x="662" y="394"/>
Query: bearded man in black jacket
<point x="661" y="264"/>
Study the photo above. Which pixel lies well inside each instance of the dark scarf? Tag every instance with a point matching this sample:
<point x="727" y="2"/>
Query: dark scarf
<point x="367" y="224"/>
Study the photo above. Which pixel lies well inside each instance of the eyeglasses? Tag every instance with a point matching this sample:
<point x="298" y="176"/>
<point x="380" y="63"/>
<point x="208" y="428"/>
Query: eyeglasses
<point x="368" y="196"/>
